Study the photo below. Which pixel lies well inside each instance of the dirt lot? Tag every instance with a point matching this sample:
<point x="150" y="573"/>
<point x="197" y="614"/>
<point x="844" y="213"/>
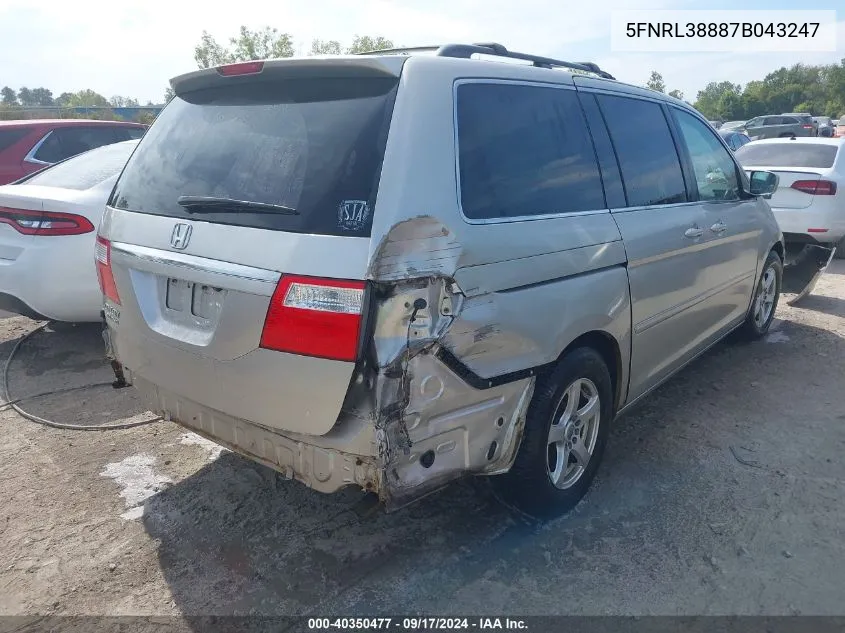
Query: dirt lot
<point x="723" y="494"/>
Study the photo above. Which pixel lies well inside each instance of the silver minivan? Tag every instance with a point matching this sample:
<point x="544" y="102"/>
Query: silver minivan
<point x="393" y="270"/>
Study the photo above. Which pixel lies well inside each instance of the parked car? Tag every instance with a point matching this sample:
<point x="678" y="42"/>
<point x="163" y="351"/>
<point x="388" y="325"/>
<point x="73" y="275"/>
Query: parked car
<point x="734" y="139"/>
<point x="806" y="118"/>
<point x="824" y="126"/>
<point x="29" y="145"/>
<point x="410" y="273"/>
<point x="839" y="131"/>
<point x="47" y="234"/>
<point x="775" y="126"/>
<point x="716" y="124"/>
<point x="731" y="125"/>
<point x="809" y="203"/>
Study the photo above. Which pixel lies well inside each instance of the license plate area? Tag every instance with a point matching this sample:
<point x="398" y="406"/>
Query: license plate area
<point x="193" y="300"/>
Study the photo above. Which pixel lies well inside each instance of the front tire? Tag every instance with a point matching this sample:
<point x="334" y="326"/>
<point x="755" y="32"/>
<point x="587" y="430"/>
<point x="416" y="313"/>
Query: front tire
<point x="566" y="430"/>
<point x="765" y="301"/>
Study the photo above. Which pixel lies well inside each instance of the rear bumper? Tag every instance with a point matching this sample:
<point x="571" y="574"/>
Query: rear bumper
<point x="324" y="468"/>
<point x="799" y="221"/>
<point x="52" y="278"/>
<point x="9" y="303"/>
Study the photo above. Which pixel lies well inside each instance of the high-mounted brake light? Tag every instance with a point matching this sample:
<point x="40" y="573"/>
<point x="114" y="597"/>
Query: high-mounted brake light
<point x="313" y="316"/>
<point x="31" y="222"/>
<point x="240" y="68"/>
<point x="102" y="255"/>
<point x="815" y="187"/>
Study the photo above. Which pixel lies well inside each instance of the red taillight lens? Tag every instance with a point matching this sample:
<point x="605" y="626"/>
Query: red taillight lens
<point x="102" y="255"/>
<point x="815" y="187"/>
<point x="315" y="317"/>
<point x="807" y="126"/>
<point x="31" y="222"/>
<point x="241" y="68"/>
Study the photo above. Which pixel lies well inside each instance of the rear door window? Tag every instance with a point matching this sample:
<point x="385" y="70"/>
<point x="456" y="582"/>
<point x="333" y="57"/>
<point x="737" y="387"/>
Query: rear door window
<point x="789" y="154"/>
<point x="312" y="146"/>
<point x="10" y="137"/>
<point x="86" y="170"/>
<point x="524" y="151"/>
<point x="651" y="170"/>
<point x="69" y="141"/>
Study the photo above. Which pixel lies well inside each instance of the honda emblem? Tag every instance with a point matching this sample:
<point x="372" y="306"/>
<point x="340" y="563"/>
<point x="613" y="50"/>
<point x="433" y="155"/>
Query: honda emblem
<point x="181" y="236"/>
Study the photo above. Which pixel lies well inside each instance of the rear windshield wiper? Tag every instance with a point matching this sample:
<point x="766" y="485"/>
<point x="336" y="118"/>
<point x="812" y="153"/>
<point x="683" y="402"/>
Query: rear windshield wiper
<point x="208" y="204"/>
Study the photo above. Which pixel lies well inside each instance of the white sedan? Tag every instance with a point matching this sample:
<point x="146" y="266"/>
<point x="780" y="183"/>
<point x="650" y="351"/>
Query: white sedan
<point x="48" y="224"/>
<point x="809" y="203"/>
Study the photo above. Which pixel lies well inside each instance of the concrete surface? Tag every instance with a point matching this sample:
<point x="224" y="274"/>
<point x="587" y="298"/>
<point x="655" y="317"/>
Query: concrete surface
<point x="722" y="494"/>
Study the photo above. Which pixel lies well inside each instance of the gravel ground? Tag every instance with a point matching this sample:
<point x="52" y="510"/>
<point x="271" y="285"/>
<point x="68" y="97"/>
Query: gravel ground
<point x="722" y="494"/>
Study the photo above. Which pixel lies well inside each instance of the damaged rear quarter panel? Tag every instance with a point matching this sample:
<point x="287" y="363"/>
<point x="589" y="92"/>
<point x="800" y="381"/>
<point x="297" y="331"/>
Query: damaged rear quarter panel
<point x="500" y="297"/>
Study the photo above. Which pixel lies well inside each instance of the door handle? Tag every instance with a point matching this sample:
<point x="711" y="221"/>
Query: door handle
<point x="719" y="227"/>
<point x="693" y="232"/>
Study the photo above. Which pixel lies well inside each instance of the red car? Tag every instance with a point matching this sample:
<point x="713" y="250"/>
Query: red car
<point x="27" y="146"/>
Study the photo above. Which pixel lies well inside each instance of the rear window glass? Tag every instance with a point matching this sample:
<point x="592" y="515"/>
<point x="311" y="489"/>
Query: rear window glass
<point x="523" y="151"/>
<point x="86" y="170"/>
<point x="311" y="145"/>
<point x="787" y="154"/>
<point x="10" y="137"/>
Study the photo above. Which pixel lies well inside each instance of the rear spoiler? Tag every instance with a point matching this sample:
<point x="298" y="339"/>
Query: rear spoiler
<point x="293" y="68"/>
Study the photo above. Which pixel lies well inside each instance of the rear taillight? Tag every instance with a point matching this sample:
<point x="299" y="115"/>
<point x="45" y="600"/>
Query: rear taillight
<point x="815" y="187"/>
<point x="31" y="222"/>
<point x="240" y="68"/>
<point x="102" y="255"/>
<point x="807" y="126"/>
<point x="313" y="316"/>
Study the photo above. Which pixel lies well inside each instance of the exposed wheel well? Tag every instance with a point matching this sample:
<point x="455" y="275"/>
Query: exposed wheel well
<point x="778" y="248"/>
<point x="607" y="346"/>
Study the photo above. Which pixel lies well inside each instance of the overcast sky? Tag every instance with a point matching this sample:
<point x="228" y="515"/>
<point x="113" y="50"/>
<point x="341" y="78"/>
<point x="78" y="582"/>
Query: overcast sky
<point x="132" y="48"/>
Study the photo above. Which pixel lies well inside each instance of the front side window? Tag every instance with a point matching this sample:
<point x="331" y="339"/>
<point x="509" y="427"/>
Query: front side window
<point x="524" y="151"/>
<point x="715" y="171"/>
<point x="651" y="170"/>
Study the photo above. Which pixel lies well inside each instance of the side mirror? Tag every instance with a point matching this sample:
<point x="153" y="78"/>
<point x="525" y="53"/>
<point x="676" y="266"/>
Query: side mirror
<point x="763" y="183"/>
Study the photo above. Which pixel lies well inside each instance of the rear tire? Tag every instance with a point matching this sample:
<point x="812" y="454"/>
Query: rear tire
<point x="765" y="302"/>
<point x="566" y="430"/>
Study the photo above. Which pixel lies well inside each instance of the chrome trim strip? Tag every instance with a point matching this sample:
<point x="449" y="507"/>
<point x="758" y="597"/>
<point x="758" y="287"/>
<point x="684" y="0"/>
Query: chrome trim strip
<point x="199" y="264"/>
<point x="30" y="157"/>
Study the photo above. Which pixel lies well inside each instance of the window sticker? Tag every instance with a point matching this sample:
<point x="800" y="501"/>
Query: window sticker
<point x="352" y="215"/>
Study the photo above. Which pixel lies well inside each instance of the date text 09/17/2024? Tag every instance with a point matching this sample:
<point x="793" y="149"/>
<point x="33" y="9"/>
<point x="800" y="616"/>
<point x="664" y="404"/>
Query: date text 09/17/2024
<point x="417" y="624"/>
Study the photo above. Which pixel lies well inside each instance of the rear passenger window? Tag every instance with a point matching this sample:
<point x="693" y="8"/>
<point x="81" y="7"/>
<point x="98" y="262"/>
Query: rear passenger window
<point x="10" y="137"/>
<point x="715" y="171"/>
<point x="70" y="141"/>
<point x="524" y="151"/>
<point x="651" y="171"/>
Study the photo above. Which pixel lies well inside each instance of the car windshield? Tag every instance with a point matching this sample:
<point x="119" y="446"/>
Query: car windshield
<point x="788" y="154"/>
<point x="85" y="170"/>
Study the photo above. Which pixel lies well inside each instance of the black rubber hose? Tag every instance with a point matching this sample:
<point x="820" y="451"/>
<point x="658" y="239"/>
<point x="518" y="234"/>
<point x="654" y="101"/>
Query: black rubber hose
<point x="12" y="402"/>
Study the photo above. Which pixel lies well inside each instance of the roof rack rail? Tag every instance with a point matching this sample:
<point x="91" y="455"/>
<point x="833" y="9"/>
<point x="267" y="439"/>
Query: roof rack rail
<point x="466" y="51"/>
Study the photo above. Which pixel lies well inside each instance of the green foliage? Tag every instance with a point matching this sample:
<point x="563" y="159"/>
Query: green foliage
<point x="8" y="96"/>
<point x="677" y="94"/>
<point x="168" y="94"/>
<point x="819" y="90"/>
<point x="655" y="82"/>
<point x="326" y="47"/>
<point x="123" y="102"/>
<point x="269" y="43"/>
<point x="85" y="99"/>
<point x="266" y="43"/>
<point x="365" y="43"/>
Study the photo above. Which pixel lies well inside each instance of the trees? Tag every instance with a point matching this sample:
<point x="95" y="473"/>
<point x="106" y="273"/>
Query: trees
<point x="677" y="94"/>
<point x="123" y="102"/>
<point x="655" y="82"/>
<point x="8" y="96"/>
<point x="269" y="43"/>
